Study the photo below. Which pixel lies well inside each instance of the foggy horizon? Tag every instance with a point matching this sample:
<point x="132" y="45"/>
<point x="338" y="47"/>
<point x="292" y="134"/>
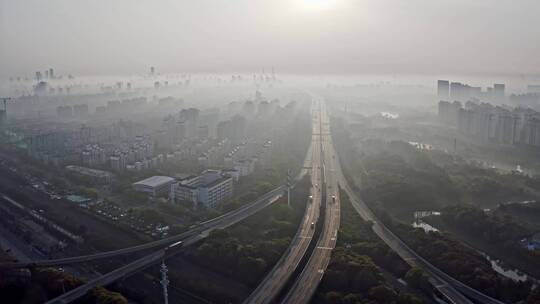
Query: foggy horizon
<point x="298" y="36"/>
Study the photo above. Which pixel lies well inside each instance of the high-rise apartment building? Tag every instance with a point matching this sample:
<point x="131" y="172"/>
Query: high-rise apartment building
<point x="443" y="89"/>
<point x="498" y="91"/>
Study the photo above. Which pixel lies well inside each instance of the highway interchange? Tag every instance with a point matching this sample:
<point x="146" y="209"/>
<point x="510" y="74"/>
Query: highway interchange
<point x="202" y="229"/>
<point x="325" y="172"/>
<point x="200" y="233"/>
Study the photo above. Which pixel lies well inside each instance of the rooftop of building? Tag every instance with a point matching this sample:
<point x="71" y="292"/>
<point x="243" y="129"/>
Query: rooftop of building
<point x="183" y="176"/>
<point x="78" y="199"/>
<point x="88" y="171"/>
<point x="207" y="179"/>
<point x="217" y="181"/>
<point x="155" y="181"/>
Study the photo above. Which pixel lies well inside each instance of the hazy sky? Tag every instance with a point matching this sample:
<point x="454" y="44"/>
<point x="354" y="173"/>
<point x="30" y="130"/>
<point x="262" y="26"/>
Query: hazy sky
<point x="300" y="36"/>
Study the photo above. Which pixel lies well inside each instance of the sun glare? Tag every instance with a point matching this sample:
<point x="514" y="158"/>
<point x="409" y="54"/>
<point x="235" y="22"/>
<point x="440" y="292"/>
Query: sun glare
<point x="318" y="5"/>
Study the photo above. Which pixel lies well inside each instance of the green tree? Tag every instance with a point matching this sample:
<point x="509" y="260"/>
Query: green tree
<point x="405" y="298"/>
<point x="90" y="192"/>
<point x="333" y="297"/>
<point x="100" y="295"/>
<point x="534" y="297"/>
<point x="418" y="279"/>
<point x="150" y="215"/>
<point x="352" y="298"/>
<point x="383" y="294"/>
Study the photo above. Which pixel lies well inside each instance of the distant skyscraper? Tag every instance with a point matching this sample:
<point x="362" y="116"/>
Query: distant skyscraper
<point x="443" y="89"/>
<point x="64" y="111"/>
<point x="152" y="70"/>
<point x="249" y="107"/>
<point x="51" y="73"/>
<point x="456" y="91"/>
<point x="38" y="75"/>
<point x="80" y="110"/>
<point x="498" y="91"/>
<point x="461" y="92"/>
<point x="3" y="113"/>
<point x="190" y="118"/>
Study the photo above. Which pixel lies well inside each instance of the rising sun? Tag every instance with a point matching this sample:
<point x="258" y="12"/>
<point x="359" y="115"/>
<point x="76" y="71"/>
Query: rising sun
<point x="318" y="5"/>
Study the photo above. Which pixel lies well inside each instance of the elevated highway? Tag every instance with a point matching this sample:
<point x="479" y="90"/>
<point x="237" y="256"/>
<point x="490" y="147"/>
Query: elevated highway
<point x="275" y="280"/>
<point x="215" y="223"/>
<point x="307" y="282"/>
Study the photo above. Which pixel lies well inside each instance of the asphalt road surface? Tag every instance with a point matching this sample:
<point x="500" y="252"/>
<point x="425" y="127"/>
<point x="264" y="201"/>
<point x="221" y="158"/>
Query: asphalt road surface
<point x="306" y="284"/>
<point x="275" y="280"/>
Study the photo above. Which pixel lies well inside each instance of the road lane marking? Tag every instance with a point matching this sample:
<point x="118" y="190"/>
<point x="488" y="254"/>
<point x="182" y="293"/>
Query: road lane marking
<point x="409" y="259"/>
<point x="440" y="285"/>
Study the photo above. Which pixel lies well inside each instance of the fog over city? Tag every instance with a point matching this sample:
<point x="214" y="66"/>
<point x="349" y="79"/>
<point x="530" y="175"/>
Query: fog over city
<point x="295" y="36"/>
<point x="261" y="152"/>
